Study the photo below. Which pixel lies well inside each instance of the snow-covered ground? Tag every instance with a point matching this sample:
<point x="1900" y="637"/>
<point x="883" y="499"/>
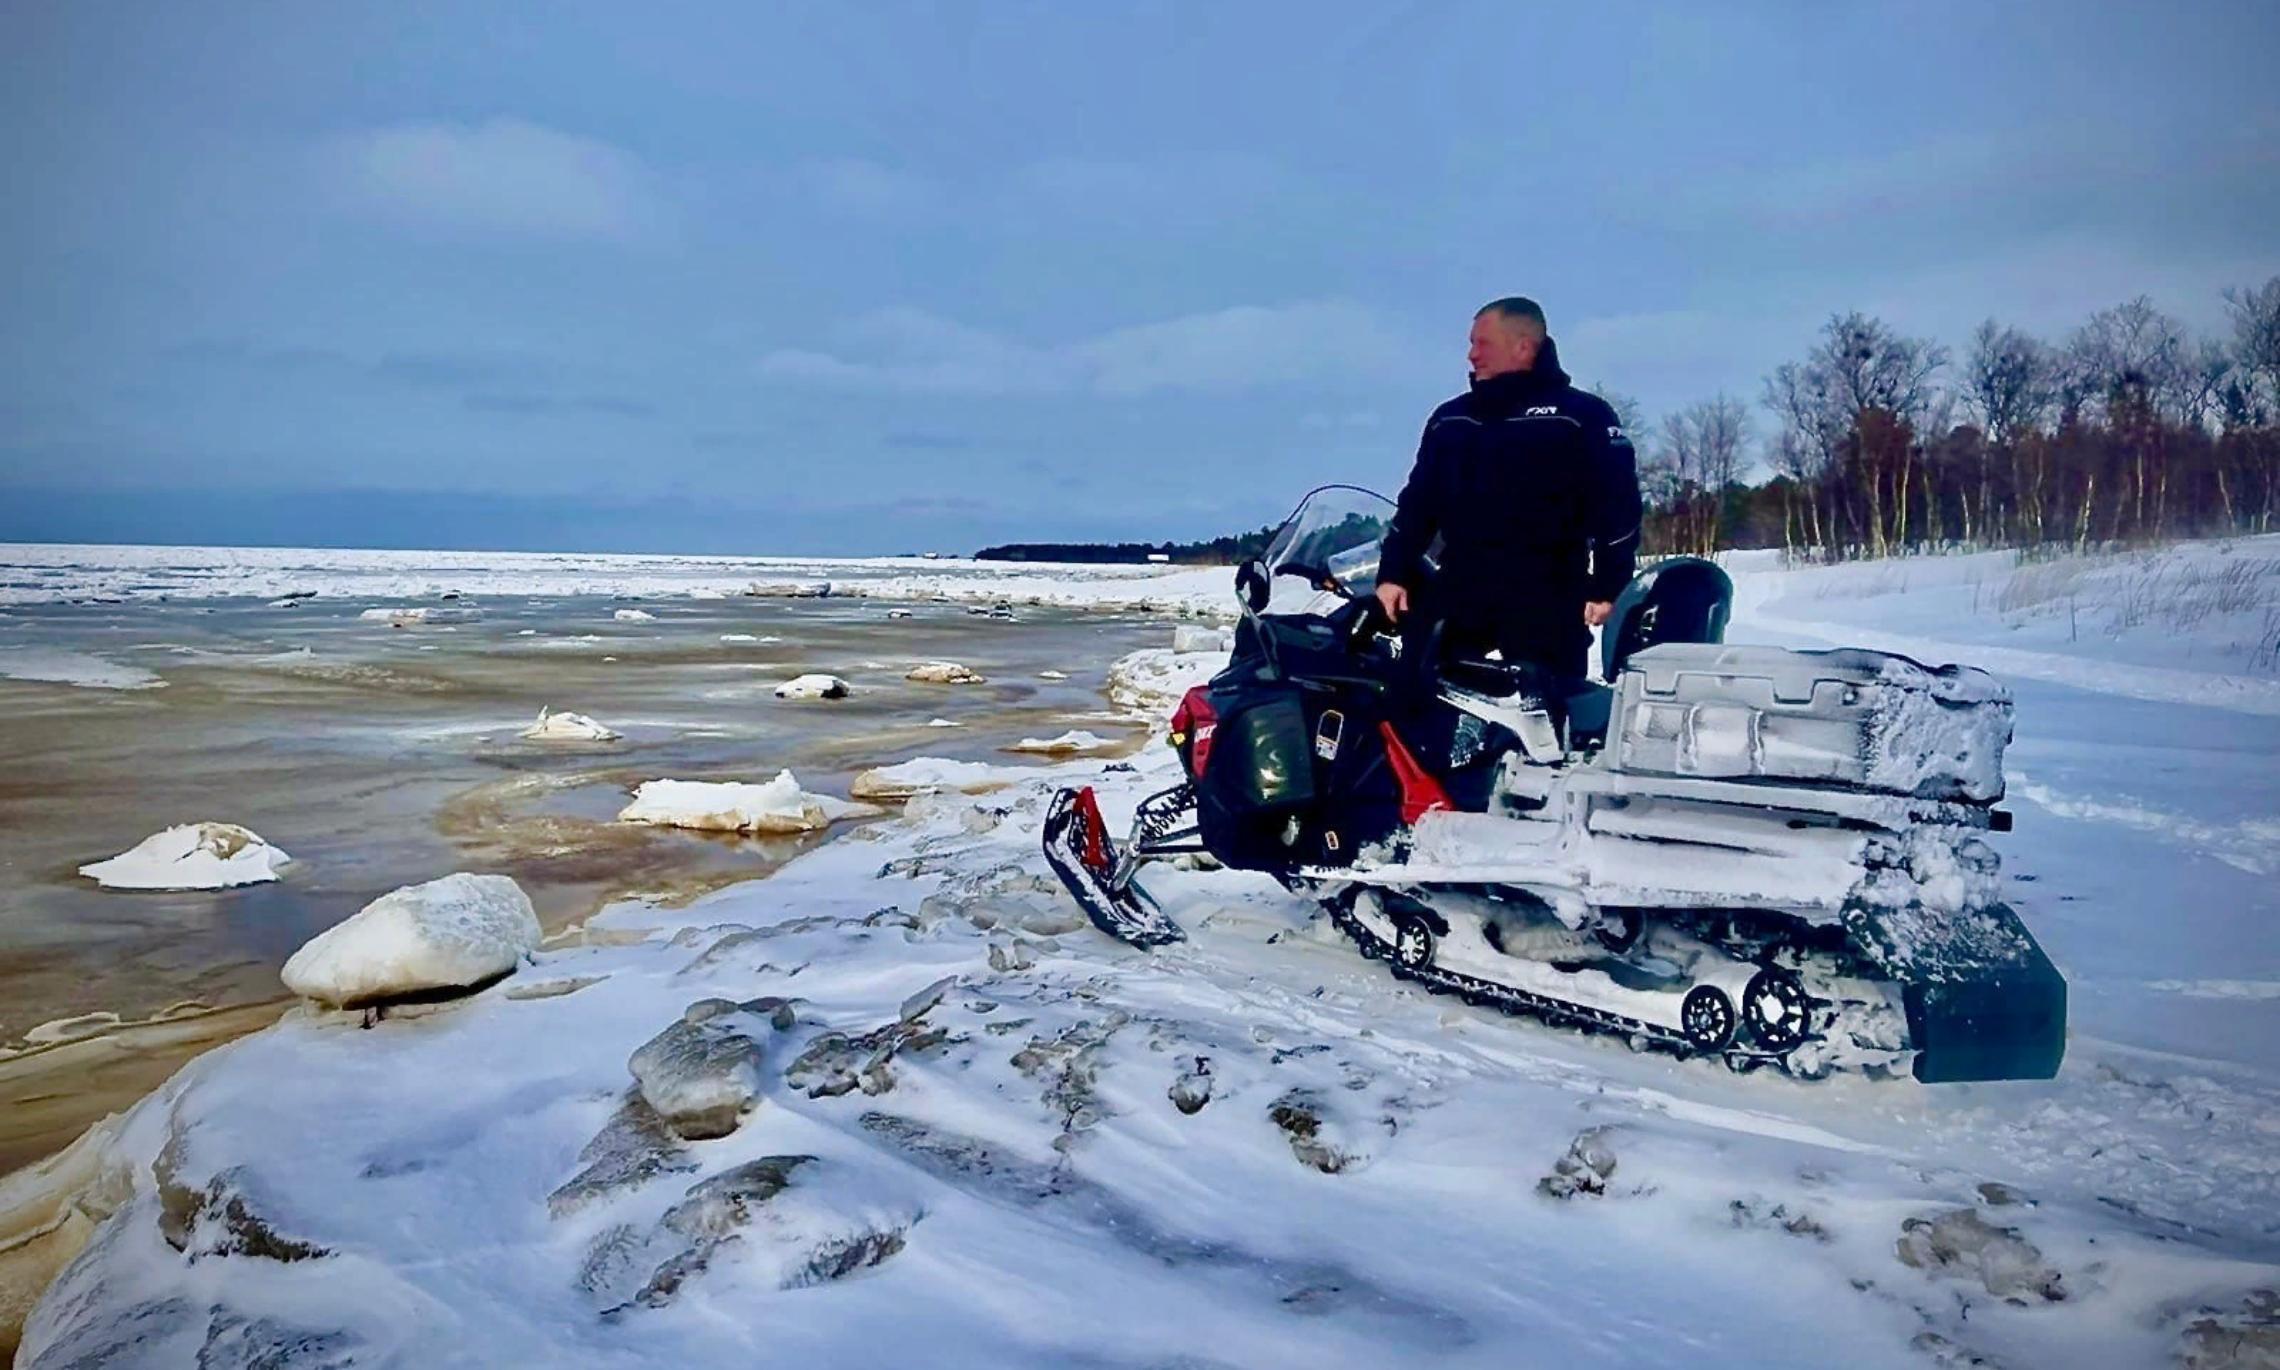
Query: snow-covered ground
<point x="985" y="1135"/>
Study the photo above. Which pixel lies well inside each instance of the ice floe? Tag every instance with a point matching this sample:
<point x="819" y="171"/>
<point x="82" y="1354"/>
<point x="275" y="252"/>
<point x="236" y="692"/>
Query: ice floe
<point x="57" y="666"/>
<point x="928" y="774"/>
<point x="191" y="856"/>
<point x="1075" y="742"/>
<point x="779" y="806"/>
<point x="564" y="726"/>
<point x="945" y="673"/>
<point x="429" y="613"/>
<point x="815" y="685"/>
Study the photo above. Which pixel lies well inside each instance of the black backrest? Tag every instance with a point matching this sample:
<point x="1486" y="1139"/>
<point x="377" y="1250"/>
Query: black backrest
<point x="1682" y="599"/>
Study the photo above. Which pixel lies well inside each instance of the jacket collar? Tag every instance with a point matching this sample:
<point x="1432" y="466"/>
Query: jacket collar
<point x="1500" y="394"/>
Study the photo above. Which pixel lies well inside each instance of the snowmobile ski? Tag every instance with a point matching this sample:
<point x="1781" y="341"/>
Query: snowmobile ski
<point x="1078" y="847"/>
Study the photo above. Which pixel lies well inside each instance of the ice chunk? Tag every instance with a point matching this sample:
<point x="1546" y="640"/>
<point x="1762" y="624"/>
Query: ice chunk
<point x="813" y="686"/>
<point x="432" y="613"/>
<point x="944" y="673"/>
<point x="567" y="727"/>
<point x="943" y="723"/>
<point x="452" y="933"/>
<point x="928" y="775"/>
<point x="56" y="666"/>
<point x="1151" y="681"/>
<point x="779" y="806"/>
<point x="634" y="616"/>
<point x="191" y="856"/>
<point x="1074" y="742"/>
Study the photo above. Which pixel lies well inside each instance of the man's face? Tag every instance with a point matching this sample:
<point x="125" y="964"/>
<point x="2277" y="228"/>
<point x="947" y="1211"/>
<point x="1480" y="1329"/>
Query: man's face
<point x="1499" y="346"/>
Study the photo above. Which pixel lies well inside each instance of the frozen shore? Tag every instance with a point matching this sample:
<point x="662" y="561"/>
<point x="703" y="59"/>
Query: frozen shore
<point x="980" y="1133"/>
<point x="54" y="573"/>
<point x="1263" y="1144"/>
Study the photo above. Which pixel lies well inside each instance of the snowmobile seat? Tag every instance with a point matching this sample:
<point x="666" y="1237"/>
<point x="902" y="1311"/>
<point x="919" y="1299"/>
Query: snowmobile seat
<point x="1682" y="599"/>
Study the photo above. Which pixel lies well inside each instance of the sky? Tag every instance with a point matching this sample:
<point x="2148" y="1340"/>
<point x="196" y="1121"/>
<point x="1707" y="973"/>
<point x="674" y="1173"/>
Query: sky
<point x="826" y="278"/>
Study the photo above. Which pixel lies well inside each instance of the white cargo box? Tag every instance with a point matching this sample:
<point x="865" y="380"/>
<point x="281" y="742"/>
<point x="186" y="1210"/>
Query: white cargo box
<point x="1849" y="717"/>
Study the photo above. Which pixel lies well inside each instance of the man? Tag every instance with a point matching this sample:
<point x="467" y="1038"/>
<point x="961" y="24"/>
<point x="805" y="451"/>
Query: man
<point x="1533" y="490"/>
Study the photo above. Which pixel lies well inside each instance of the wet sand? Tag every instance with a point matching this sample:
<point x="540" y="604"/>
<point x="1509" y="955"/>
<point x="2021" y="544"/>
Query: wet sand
<point x="380" y="756"/>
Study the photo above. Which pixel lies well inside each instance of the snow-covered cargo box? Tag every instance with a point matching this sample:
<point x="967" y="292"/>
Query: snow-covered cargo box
<point x="1871" y="720"/>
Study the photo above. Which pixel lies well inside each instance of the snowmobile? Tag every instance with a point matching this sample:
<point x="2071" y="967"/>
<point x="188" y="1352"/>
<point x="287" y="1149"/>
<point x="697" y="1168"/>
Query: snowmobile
<point x="1750" y="854"/>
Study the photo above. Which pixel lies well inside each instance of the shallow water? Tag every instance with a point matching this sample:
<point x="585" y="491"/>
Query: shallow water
<point x="380" y="756"/>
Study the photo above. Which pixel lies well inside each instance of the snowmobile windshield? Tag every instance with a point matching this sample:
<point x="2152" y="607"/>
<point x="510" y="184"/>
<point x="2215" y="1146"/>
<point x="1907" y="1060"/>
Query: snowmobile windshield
<point x="1330" y="543"/>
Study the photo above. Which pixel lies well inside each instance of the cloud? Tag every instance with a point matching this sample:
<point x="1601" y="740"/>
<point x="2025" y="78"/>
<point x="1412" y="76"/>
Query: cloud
<point x="856" y="186"/>
<point x="503" y="176"/>
<point x="510" y="402"/>
<point x="1240" y="348"/>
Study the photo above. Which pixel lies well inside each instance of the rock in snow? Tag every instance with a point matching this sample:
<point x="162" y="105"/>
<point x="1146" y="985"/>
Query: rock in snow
<point x="1961" y="1244"/>
<point x="813" y="686"/>
<point x="567" y="727"/>
<point x="702" y="1074"/>
<point x="454" y="933"/>
<point x="944" y="673"/>
<point x="1073" y="743"/>
<point x="779" y="806"/>
<point x="191" y="856"/>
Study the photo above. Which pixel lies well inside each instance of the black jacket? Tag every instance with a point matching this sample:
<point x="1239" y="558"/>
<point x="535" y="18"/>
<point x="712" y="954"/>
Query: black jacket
<point x="1533" y="490"/>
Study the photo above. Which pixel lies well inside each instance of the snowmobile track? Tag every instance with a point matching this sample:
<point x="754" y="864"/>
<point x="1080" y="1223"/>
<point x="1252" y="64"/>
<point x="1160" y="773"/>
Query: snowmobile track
<point x="1521" y="1003"/>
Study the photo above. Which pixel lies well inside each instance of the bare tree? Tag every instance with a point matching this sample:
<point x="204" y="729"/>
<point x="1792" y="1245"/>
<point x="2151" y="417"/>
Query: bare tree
<point x="2132" y="359"/>
<point x="2132" y="348"/>
<point x="1698" y="454"/>
<point x="2256" y="340"/>
<point x="1804" y="450"/>
<point x="1628" y="411"/>
<point x="2010" y="382"/>
<point x="1863" y="366"/>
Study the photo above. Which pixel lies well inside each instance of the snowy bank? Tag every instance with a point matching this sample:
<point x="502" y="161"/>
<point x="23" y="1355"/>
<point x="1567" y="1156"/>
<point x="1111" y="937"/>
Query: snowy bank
<point x="191" y="856"/>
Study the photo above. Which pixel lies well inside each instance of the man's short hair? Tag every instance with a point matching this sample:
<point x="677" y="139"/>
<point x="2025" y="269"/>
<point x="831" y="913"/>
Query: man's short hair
<point x="1517" y="309"/>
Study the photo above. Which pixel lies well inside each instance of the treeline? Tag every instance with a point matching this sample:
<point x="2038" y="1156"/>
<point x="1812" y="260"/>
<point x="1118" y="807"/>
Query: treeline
<point x="2128" y="431"/>
<point x="1219" y="551"/>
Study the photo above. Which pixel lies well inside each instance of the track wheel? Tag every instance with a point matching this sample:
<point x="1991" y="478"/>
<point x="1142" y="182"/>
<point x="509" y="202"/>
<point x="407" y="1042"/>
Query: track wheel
<point x="1412" y="942"/>
<point x="1707" y="1018"/>
<point x="1777" y="1010"/>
